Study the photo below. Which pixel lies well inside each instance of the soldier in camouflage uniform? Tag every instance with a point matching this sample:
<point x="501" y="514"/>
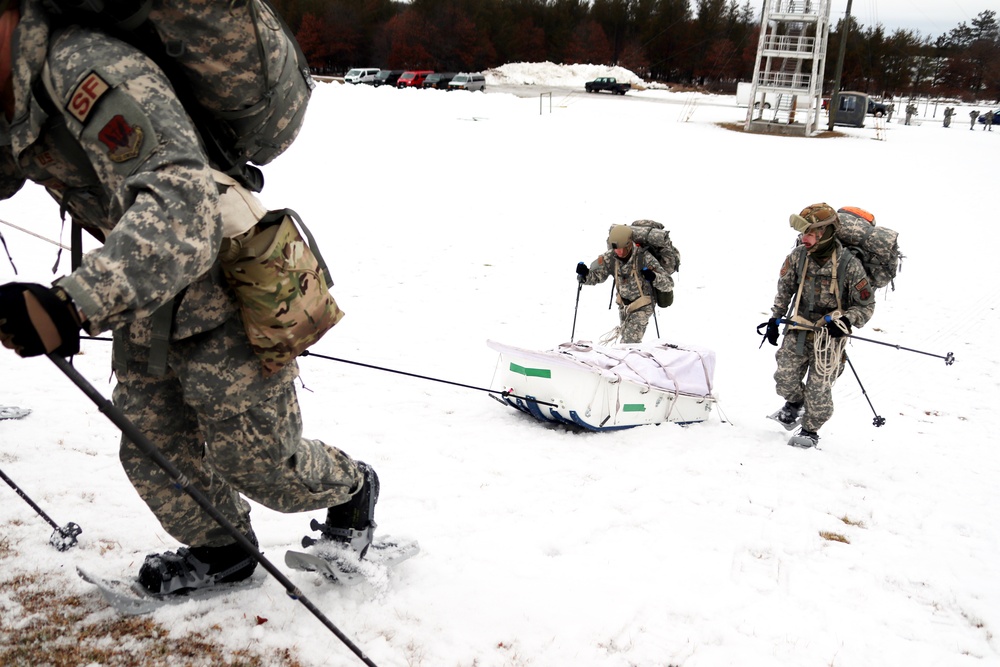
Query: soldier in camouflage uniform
<point x="98" y="124"/>
<point x="819" y="278"/>
<point x="636" y="272"/>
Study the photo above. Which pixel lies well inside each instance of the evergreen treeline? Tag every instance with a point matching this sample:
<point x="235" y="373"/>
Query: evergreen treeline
<point x="705" y="43"/>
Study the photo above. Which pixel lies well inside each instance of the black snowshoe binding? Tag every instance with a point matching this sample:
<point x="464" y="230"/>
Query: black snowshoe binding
<point x="790" y="415"/>
<point x="352" y="523"/>
<point x="199" y="567"/>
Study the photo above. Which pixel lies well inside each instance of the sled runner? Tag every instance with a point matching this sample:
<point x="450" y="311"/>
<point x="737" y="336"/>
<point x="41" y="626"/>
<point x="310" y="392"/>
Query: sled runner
<point x="608" y="388"/>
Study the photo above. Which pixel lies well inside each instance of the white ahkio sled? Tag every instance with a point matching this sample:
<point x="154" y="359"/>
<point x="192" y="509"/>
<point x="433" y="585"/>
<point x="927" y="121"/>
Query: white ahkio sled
<point x="608" y="388"/>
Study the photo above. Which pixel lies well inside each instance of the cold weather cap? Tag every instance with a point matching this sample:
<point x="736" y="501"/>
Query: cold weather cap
<point x="813" y="217"/>
<point x="620" y="236"/>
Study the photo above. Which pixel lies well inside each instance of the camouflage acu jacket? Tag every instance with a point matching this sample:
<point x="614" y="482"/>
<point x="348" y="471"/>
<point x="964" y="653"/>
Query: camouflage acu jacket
<point x="98" y="125"/>
<point x="630" y="284"/>
<point x="857" y="298"/>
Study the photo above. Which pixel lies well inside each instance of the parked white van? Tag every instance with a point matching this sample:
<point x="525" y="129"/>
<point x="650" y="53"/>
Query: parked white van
<point x="465" y="81"/>
<point x="361" y="75"/>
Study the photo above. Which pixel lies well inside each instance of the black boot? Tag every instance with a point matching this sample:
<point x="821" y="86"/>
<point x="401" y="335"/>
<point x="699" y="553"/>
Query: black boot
<point x="353" y="522"/>
<point x="197" y="567"/>
<point x="790" y="414"/>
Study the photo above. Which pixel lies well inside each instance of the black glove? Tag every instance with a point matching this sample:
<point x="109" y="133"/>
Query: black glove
<point x="37" y="320"/>
<point x="582" y="271"/>
<point x="647" y="274"/>
<point x="835" y="330"/>
<point x="772" y="331"/>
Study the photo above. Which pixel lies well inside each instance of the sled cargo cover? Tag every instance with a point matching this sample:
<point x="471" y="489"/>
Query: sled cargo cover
<point x="601" y="388"/>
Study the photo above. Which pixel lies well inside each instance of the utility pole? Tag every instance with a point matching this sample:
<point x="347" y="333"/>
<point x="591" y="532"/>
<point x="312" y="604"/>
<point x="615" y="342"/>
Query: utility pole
<point x="834" y="102"/>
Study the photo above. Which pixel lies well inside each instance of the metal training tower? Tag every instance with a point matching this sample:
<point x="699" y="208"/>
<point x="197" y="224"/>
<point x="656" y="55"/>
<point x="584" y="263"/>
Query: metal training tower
<point x="786" y="97"/>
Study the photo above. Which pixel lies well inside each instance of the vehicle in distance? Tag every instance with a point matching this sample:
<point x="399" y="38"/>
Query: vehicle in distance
<point x="466" y="81"/>
<point x="361" y="75"/>
<point x="438" y="80"/>
<point x="996" y="117"/>
<point x="608" y="83"/>
<point x="386" y="77"/>
<point x="413" y="78"/>
<point x="877" y="109"/>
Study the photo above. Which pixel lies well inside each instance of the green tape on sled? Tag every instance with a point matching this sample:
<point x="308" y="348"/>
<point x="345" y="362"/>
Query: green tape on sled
<point x="634" y="407"/>
<point x="530" y="372"/>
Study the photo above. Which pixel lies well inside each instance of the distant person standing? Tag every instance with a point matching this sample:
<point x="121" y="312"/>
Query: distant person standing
<point x="910" y="110"/>
<point x="973" y="115"/>
<point x="948" y="112"/>
<point x="888" y="112"/>
<point x="988" y="120"/>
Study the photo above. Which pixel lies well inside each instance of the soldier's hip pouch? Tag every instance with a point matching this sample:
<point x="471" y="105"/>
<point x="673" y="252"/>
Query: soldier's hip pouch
<point x="280" y="279"/>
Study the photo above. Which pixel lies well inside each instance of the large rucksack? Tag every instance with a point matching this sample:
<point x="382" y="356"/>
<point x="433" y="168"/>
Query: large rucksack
<point x="876" y="247"/>
<point x="236" y="67"/>
<point x="652" y="236"/>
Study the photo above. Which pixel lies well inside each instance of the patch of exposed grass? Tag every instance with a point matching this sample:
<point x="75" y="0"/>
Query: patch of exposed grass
<point x="833" y="537"/>
<point x="853" y="522"/>
<point x="45" y="627"/>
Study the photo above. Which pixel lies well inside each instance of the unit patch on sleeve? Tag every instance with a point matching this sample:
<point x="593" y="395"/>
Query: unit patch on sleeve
<point x="863" y="291"/>
<point x="84" y="98"/>
<point x="122" y="139"/>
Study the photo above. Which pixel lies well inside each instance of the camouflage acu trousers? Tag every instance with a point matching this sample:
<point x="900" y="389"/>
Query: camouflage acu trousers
<point x="230" y="431"/>
<point x="633" y="325"/>
<point x="792" y="369"/>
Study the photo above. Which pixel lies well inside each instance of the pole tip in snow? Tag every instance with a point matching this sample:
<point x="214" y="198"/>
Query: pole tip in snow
<point x="64" y="538"/>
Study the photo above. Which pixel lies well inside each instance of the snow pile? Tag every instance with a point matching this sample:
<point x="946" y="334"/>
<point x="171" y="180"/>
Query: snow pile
<point x="550" y="74"/>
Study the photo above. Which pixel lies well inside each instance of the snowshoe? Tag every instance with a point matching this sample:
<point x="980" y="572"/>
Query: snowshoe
<point x="13" y="412"/>
<point x="339" y="563"/>
<point x="804" y="439"/>
<point x="789" y="416"/>
<point x="188" y="569"/>
<point x="353" y="522"/>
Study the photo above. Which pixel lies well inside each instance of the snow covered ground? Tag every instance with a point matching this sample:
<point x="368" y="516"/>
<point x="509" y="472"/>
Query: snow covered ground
<point x="451" y="218"/>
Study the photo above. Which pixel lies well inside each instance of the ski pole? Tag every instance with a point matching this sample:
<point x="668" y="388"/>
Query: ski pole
<point x="879" y="420"/>
<point x="307" y="353"/>
<point x="575" y="309"/>
<point x="949" y="358"/>
<point x="182" y="483"/>
<point x="655" y="321"/>
<point x="63" y="537"/>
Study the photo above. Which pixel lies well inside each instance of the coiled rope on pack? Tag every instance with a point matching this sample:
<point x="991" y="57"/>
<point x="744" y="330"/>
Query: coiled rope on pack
<point x="828" y="353"/>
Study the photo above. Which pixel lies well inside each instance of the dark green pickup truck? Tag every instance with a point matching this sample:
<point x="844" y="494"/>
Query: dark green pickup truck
<point x="608" y="83"/>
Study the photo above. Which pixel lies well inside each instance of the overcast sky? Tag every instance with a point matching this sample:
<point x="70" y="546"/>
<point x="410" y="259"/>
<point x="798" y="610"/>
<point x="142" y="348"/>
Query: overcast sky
<point x="929" y="17"/>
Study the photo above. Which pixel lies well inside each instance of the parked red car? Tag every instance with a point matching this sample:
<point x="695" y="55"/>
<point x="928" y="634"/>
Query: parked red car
<point x="413" y="78"/>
